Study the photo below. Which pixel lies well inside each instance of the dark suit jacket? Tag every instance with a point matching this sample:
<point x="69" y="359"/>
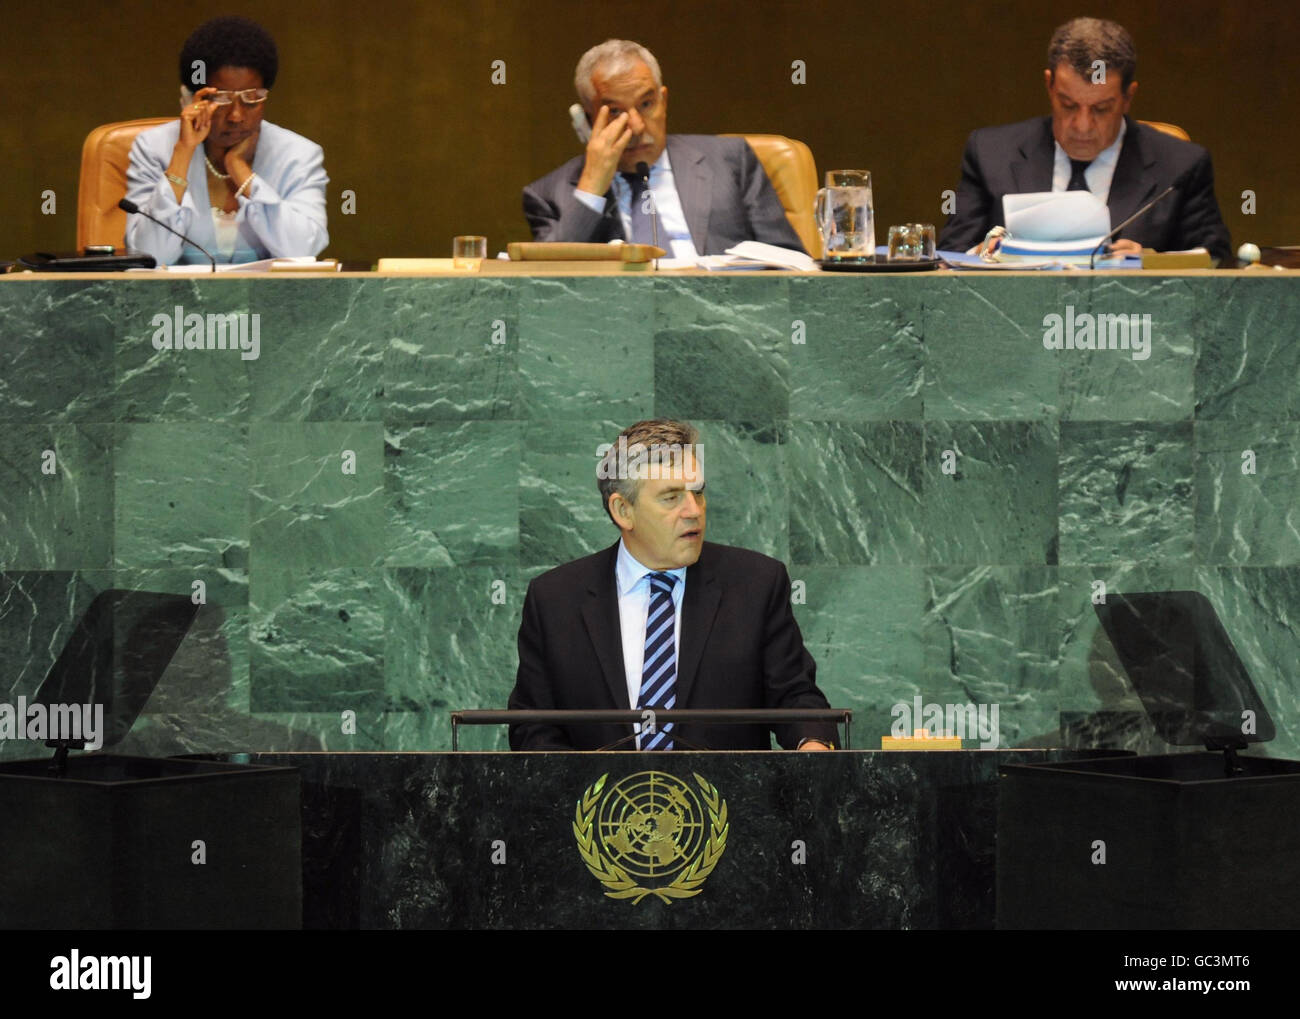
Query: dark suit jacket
<point x="724" y="191"/>
<point x="740" y="648"/>
<point x="1018" y="158"/>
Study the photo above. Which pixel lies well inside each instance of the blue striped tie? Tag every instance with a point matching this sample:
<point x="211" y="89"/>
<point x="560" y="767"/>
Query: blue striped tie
<point x="659" y="666"/>
<point x="642" y="232"/>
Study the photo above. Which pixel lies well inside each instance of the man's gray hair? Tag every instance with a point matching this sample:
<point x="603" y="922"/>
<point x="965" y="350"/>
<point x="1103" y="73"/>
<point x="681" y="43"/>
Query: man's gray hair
<point x="611" y="56"/>
<point x="675" y="438"/>
<point x="1084" y="40"/>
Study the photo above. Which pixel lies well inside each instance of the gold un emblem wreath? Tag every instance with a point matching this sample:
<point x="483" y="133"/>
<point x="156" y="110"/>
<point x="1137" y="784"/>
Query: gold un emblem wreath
<point x="648" y="834"/>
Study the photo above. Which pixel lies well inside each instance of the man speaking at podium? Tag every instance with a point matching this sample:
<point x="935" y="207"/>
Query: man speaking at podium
<point x="705" y="193"/>
<point x="1090" y="143"/>
<point x="662" y="619"/>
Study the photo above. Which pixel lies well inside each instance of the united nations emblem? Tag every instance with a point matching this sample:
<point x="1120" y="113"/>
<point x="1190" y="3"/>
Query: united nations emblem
<point x="649" y="834"/>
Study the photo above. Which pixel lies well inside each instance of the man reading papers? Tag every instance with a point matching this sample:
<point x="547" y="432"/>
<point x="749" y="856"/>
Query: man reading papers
<point x="1090" y="143"/>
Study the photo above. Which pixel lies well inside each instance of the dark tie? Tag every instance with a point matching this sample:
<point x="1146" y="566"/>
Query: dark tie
<point x="642" y="209"/>
<point x="659" y="666"/>
<point x="1077" y="180"/>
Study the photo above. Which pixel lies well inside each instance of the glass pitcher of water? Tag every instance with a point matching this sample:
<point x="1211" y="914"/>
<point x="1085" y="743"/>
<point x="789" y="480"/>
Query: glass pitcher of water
<point x="845" y="215"/>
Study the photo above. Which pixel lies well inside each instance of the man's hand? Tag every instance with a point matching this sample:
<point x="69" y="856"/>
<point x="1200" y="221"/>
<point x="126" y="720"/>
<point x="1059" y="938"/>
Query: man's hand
<point x="814" y="744"/>
<point x="605" y="148"/>
<point x="1119" y="247"/>
<point x="990" y="244"/>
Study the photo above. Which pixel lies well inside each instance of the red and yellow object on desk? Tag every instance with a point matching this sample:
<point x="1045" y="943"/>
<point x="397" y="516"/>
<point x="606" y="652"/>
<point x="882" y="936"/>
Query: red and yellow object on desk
<point x="921" y="739"/>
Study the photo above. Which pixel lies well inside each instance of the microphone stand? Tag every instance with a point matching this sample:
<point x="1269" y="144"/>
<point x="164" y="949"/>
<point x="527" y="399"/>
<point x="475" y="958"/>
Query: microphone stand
<point x="126" y="205"/>
<point x="1092" y="259"/>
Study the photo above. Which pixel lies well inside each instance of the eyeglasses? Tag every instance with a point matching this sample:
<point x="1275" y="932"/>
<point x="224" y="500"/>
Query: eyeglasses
<point x="249" y="97"/>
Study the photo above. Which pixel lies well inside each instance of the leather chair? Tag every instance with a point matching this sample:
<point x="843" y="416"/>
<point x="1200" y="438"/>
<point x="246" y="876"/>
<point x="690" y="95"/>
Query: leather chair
<point x="1172" y="129"/>
<point x="104" y="160"/>
<point x="790" y="168"/>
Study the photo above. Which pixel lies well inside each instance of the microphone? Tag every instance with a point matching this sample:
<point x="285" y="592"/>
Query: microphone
<point x="126" y="205"/>
<point x="643" y="171"/>
<point x="1179" y="181"/>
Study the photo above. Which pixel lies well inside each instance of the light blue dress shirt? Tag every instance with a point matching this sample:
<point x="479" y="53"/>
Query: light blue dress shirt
<point x="674" y="234"/>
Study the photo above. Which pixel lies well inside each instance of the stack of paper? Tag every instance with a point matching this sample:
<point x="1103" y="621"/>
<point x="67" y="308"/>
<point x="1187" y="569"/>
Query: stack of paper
<point x="1065" y="225"/>
<point x="756" y="255"/>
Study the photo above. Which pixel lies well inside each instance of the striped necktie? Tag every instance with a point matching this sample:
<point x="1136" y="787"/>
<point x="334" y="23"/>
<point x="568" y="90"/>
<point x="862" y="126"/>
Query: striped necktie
<point x="659" y="666"/>
<point x="642" y="209"/>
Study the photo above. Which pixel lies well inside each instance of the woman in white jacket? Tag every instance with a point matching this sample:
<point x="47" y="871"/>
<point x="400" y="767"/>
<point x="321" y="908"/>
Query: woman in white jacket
<point x="238" y="185"/>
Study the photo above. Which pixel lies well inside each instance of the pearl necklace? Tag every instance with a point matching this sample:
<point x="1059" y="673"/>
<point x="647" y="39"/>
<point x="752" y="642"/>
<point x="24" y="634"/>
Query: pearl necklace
<point x="213" y="170"/>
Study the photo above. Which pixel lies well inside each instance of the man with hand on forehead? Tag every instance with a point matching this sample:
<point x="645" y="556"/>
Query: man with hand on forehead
<point x="662" y="619"/>
<point x="705" y="193"/>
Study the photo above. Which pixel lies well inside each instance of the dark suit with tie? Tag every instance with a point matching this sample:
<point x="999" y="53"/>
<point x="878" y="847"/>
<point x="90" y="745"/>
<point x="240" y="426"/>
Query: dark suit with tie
<point x="725" y="195"/>
<point x="740" y="648"/>
<point x="1019" y="158"/>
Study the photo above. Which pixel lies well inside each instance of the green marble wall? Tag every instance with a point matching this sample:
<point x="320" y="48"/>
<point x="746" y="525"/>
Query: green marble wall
<point x="394" y="592"/>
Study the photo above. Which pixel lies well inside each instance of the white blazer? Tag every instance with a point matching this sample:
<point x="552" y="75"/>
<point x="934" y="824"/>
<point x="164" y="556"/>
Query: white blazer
<point x="282" y="214"/>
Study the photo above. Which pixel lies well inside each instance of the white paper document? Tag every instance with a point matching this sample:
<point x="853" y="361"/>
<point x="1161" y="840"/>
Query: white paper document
<point x="756" y="255"/>
<point x="1056" y="216"/>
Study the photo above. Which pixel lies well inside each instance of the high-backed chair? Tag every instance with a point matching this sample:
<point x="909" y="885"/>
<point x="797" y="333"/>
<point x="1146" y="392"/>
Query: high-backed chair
<point x="104" y="159"/>
<point x="1172" y="129"/>
<point x="790" y="168"/>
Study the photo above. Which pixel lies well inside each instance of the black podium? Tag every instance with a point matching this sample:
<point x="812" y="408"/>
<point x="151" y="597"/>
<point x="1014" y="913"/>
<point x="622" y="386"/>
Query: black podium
<point x="140" y="844"/>
<point x="878" y="840"/>
<point x="1182" y="841"/>
<point x="112" y="842"/>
